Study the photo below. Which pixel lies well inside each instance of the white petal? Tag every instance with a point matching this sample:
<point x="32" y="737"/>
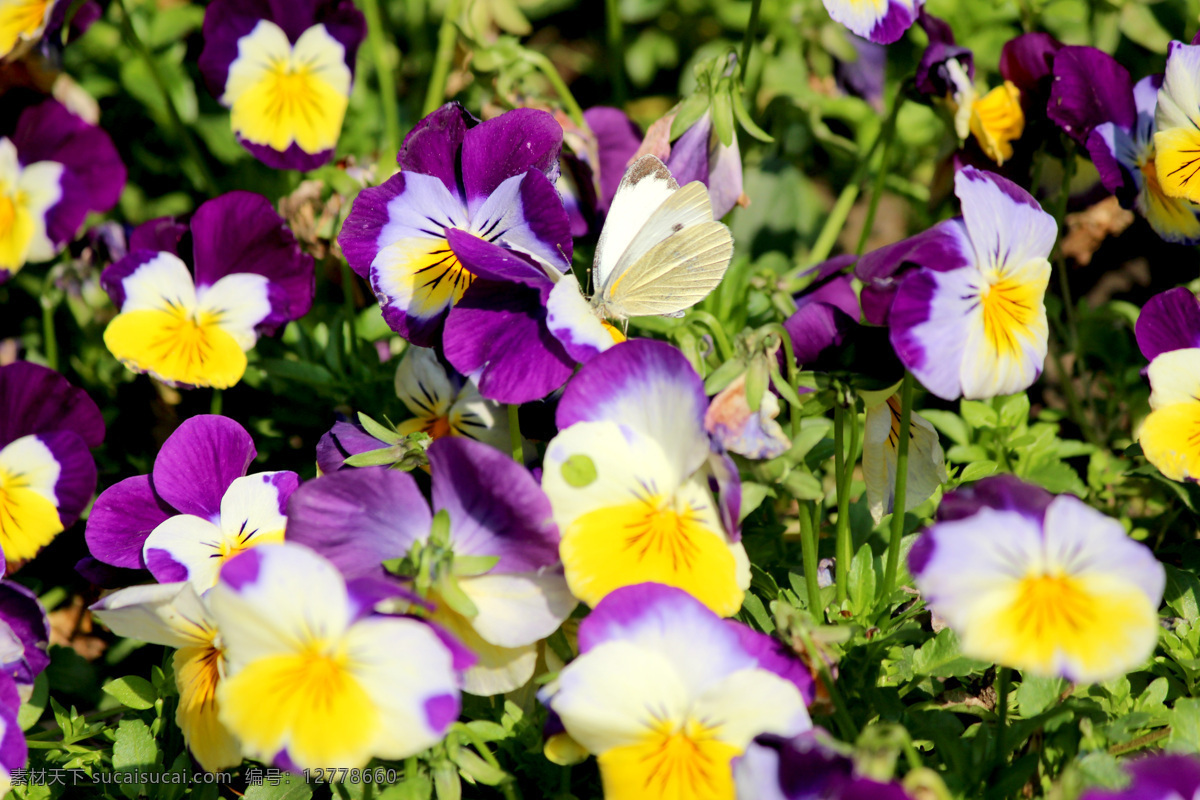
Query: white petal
<point x="237" y="302"/>
<point x="158" y="284"/>
<point x="170" y="614"/>
<point x="518" y="610"/>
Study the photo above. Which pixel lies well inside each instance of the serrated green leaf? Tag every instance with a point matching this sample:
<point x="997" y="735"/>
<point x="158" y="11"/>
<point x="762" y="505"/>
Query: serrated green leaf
<point x="134" y="747"/>
<point x="290" y="787"/>
<point x="941" y="657"/>
<point x="1015" y="410"/>
<point x="132" y="691"/>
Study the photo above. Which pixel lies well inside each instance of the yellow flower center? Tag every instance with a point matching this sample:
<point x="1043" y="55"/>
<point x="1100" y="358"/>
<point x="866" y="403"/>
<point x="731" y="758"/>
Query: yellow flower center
<point x="1009" y="309"/>
<point x="1053" y="606"/>
<point x="689" y="763"/>
<point x="21" y="19"/>
<point x="8" y="215"/>
<point x="178" y="345"/>
<point x="997" y="120"/>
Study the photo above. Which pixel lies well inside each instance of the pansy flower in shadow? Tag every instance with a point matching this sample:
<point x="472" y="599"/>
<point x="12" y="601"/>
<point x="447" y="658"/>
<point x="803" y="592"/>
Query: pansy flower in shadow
<point x="492" y="566"/>
<point x="197" y="508"/>
<point x="47" y="474"/>
<point x="54" y="169"/>
<point x="1043" y="584"/>
<point x="24" y="23"/>
<point x="629" y="479"/>
<point x="314" y="677"/>
<point x="174" y="615"/>
<point x="24" y="635"/>
<point x="1096" y="102"/>
<point x="284" y="68"/>
<point x="462" y="182"/>
<point x="880" y="21"/>
<point x="1168" y="334"/>
<point x="1177" y="123"/>
<point x="805" y="767"/>
<point x="193" y="327"/>
<point x="1156" y="776"/>
<point x="970" y="321"/>
<point x="667" y="694"/>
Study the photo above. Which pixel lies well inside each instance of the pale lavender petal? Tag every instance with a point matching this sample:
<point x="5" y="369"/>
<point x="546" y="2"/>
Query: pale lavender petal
<point x="943" y="247"/>
<point x="525" y="213"/>
<point x="198" y="461"/>
<point x="927" y="330"/>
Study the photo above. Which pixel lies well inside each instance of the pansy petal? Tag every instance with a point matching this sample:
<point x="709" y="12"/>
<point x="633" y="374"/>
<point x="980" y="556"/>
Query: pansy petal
<point x="29" y="517"/>
<point x="750" y="702"/>
<point x="518" y="610"/>
<point x="343" y="440"/>
<point x="1005" y="224"/>
<point x="422" y="384"/>
<point x="513" y="143"/>
<point x="575" y="323"/>
<point x="185" y="548"/>
<point x="24" y="615"/>
<point x="927" y="308"/>
<point x="943" y="247"/>
<point x="1090" y="88"/>
<point x="1001" y="492"/>
<point x="617" y="140"/>
<point x="238" y="303"/>
<point x="432" y="146"/>
<point x="359" y="518"/>
<point x="35" y="399"/>
<point x="525" y="213"/>
<point x="1166" y="437"/>
<point x="170" y="614"/>
<point x="77" y="473"/>
<point x="881" y="21"/>
<point x="1169" y="321"/>
<point x="926" y="461"/>
<point x="198" y="462"/>
<point x="496" y="669"/>
<point x="121" y="519"/>
<point x="1174" y="377"/>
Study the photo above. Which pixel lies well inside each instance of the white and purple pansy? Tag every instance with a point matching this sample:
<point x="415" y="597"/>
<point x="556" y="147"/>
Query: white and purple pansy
<point x="1177" y="123"/>
<point x="970" y="321"/>
<point x="14" y="752"/>
<point x="667" y="694"/>
<point x="489" y="182"/>
<point x="24" y="636"/>
<point x="47" y="474"/>
<point x="1168" y="334"/>
<point x="193" y="326"/>
<point x="284" y="68"/>
<point x="880" y="21"/>
<point x="805" y="767"/>
<point x="197" y="508"/>
<point x="1043" y="584"/>
<point x="1095" y="101"/>
<point x="499" y="520"/>
<point x="314" y="678"/>
<point x="54" y="169"/>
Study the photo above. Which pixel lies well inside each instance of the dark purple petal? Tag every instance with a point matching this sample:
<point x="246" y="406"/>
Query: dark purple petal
<point x="343" y="440"/>
<point x="933" y="76"/>
<point x="1028" y="60"/>
<point x="359" y="236"/>
<point x="1089" y="88"/>
<point x="864" y="77"/>
<point x="435" y="145"/>
<point x="805" y="767"/>
<point x="617" y="139"/>
<point x="1103" y="145"/>
<point x="123" y="516"/>
<point x="240" y="232"/>
<point x="943" y="247"/>
<point x="774" y="656"/>
<point x="496" y="507"/>
<point x="359" y="518"/>
<point x="292" y="158"/>
<point x="1169" y="321"/>
<point x="164" y="567"/>
<point x="920" y="553"/>
<point x="817" y="328"/>
<point x="23" y="613"/>
<point x="112" y="279"/>
<point x="493" y="263"/>
<point x="14" y="752"/>
<point x="511" y="144"/>
<point x="1158" y="776"/>
<point x="83" y="18"/>
<point x="546" y="218"/>
<point x="832" y="285"/>
<point x="49" y="132"/>
<point x="77" y="473"/>
<point x="896" y="20"/>
<point x="1001" y="492"/>
<point x="105" y="576"/>
<point x="161" y="234"/>
<point x="500" y="330"/>
<point x="199" y="461"/>
<point x="35" y="399"/>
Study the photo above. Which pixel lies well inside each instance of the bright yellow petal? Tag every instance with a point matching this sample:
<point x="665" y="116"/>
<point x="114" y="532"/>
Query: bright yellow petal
<point x="197" y="673"/>
<point x="1170" y="439"/>
<point x="20" y="19"/>
<point x="686" y="764"/>
<point x="308" y="702"/>
<point x="28" y="521"/>
<point x="420" y="275"/>
<point x="175" y="347"/>
<point x="1178" y="161"/>
<point x="997" y="120"/>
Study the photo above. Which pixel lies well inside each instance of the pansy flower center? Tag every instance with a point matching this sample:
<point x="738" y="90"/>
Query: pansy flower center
<point x="1053" y="605"/>
<point x="997" y="120"/>
<point x="688" y="761"/>
<point x="16" y="228"/>
<point x="1010" y="308"/>
<point x="29" y="517"/>
<point x="22" y="19"/>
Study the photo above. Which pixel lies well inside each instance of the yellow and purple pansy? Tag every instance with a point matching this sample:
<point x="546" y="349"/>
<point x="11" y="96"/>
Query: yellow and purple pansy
<point x="1043" y="584"/>
<point x="970" y="321"/>
<point x="54" y="169"/>
<point x="879" y="21"/>
<point x="24" y="23"/>
<point x="629" y="478"/>
<point x="193" y="326"/>
<point x="1168" y="334"/>
<point x="314" y="678"/>
<point x="47" y="474"/>
<point x="499" y="520"/>
<point x="463" y="183"/>
<point x="666" y="694"/>
<point x="284" y="68"/>
<point x="1177" y="123"/>
<point x="197" y="508"/>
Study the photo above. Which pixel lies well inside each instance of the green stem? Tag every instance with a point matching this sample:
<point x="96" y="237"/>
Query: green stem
<point x="348" y="306"/>
<point x="506" y="787"/>
<point x="543" y="63"/>
<point x="841" y="209"/>
<point x="616" y="49"/>
<point x="748" y="39"/>
<point x="218" y="400"/>
<point x="901" y="497"/>
<point x="49" y="336"/>
<point x="844" y="467"/>
<point x="887" y="134"/>
<point x="793" y="371"/>
<point x="841" y="716"/>
<point x="713" y="325"/>
<point x="177" y="124"/>
<point x="376" y="35"/>
<point x="808" y="550"/>
<point x="514" y="433"/>
<point x="447" y="38"/>
<point x="1003" y="679"/>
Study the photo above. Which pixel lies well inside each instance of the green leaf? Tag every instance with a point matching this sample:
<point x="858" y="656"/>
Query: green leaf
<point x="470" y="566"/>
<point x="1014" y="411"/>
<point x="748" y="124"/>
<point x="298" y="371"/>
<point x="754" y="606"/>
<point x="862" y="580"/>
<point x="1185" y="726"/>
<point x="753" y="495"/>
<point x="132" y="691"/>
<point x="380" y="431"/>
<point x="756" y="383"/>
<point x="475" y="769"/>
<point x="1182" y="593"/>
<point x="446" y="783"/>
<point x="134" y="748"/>
<point x="977" y="470"/>
<point x="979" y="415"/>
<point x="1034" y="695"/>
<point x="688" y="114"/>
<point x="31" y="710"/>
<point x="722" y="117"/>
<point x="291" y="787"/>
<point x="949" y="424"/>
<point x="723" y="375"/>
<point x="941" y="657"/>
<point x="456" y="598"/>
<point x="383" y="457"/>
<point x="803" y="485"/>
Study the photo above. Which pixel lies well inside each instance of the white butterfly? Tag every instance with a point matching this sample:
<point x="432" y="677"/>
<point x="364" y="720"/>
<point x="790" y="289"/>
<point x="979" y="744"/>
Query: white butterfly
<point x="659" y="254"/>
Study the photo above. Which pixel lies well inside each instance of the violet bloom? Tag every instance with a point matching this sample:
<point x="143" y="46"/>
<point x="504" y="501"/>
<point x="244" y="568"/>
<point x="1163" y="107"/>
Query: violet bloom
<point x="804" y="767"/>
<point x="191" y="327"/>
<point x="880" y="21"/>
<point x="1096" y="102"/>
<point x="47" y="475"/>
<point x="53" y="171"/>
<point x="284" y="69"/>
<point x="14" y="753"/>
<point x="971" y="320"/>
<point x="462" y="183"/>
<point x="1159" y="776"/>
<point x="502" y="538"/>
<point x="197" y="508"/>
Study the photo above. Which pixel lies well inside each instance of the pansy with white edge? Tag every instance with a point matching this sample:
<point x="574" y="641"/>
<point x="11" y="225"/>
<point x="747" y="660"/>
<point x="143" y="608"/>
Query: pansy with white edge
<point x="627" y="477"/>
<point x="1168" y="334"/>
<point x="1043" y="584"/>
<point x="880" y="21"/>
<point x="1177" y="123"/>
<point x="314" y="678"/>
<point x="285" y="72"/>
<point x="193" y="327"/>
<point x="174" y="615"/>
<point x="666" y="694"/>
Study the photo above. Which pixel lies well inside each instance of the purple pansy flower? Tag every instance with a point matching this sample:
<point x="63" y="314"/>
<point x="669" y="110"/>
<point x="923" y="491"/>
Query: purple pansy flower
<point x="284" y="68"/>
<point x="971" y="320"/>
<point x="880" y="21"/>
<point x="24" y="636"/>
<point x="463" y="183"/>
<point x="804" y="767"/>
<point x="14" y="752"/>
<point x="1168" y="334"/>
<point x="1158" y="776"/>
<point x="192" y="326"/>
<point x="47" y="474"/>
<point x="197" y="508"/>
<point x="498" y="517"/>
<point x="53" y="170"/>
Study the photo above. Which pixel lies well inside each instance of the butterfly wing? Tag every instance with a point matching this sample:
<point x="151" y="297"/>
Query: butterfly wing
<point x="647" y="184"/>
